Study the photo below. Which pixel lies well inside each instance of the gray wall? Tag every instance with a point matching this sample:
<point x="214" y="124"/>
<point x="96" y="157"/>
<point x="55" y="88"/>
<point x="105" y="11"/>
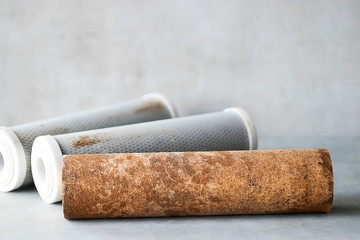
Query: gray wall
<point x="294" y="65"/>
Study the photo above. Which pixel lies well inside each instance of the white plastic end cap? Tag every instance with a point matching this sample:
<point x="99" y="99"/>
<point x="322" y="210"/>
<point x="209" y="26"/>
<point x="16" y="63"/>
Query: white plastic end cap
<point x="12" y="161"/>
<point x="164" y="100"/>
<point x="250" y="127"/>
<point x="46" y="166"/>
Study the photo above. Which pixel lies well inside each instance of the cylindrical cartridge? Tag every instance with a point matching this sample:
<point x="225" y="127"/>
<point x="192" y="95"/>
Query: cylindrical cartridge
<point x="231" y="129"/>
<point x="16" y="142"/>
<point x="197" y="183"/>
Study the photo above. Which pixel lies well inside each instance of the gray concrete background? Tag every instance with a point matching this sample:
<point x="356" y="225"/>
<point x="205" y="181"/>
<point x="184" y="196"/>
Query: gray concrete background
<point x="294" y="65"/>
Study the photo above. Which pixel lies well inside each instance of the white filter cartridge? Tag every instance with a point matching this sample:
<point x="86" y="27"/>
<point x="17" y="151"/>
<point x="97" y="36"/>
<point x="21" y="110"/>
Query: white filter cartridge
<point x="16" y="142"/>
<point x="231" y="129"/>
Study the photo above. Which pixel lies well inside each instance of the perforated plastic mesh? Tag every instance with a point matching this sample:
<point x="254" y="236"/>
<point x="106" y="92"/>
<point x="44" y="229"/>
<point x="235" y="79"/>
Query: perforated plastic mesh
<point x="208" y="132"/>
<point x="135" y="111"/>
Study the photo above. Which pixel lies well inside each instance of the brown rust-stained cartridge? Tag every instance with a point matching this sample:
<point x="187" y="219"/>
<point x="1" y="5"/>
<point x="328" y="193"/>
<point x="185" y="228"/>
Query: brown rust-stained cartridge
<point x="197" y="183"/>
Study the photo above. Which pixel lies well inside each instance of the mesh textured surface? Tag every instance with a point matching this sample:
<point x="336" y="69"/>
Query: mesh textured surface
<point x="208" y="132"/>
<point x="135" y="111"/>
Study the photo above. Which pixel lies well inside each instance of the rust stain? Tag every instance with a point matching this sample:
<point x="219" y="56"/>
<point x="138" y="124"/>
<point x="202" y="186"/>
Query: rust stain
<point x="153" y="106"/>
<point x="196" y="183"/>
<point x="325" y="157"/>
<point x="57" y="131"/>
<point x="85" y="141"/>
<point x="327" y="168"/>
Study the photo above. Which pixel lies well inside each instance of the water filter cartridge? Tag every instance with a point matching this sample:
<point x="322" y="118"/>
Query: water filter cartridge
<point x="197" y="183"/>
<point x="16" y="142"/>
<point x="231" y="129"/>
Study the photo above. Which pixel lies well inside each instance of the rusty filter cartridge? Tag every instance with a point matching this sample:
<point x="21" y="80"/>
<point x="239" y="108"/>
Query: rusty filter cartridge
<point x="16" y="141"/>
<point x="196" y="183"/>
<point x="231" y="129"/>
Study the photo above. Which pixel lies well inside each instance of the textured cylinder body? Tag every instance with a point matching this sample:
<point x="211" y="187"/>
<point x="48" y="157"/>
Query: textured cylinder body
<point x="150" y="107"/>
<point x="197" y="183"/>
<point x="218" y="131"/>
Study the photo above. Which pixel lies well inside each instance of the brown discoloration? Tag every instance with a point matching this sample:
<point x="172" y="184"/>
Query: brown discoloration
<point x="328" y="171"/>
<point x="196" y="183"/>
<point x="325" y="159"/>
<point x="150" y="107"/>
<point x="57" y="131"/>
<point x="85" y="141"/>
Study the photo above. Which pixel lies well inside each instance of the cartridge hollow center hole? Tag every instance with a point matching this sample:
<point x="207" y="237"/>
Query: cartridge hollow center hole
<point x="41" y="173"/>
